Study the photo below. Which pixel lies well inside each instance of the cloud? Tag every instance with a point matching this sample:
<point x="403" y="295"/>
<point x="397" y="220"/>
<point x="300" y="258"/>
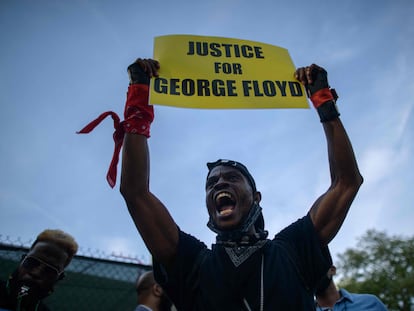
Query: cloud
<point x="24" y="218"/>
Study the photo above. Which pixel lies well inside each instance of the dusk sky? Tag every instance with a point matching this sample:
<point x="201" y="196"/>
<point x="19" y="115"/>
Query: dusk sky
<point x="62" y="63"/>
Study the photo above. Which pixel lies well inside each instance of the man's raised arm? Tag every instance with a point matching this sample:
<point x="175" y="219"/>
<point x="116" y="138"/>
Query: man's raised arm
<point x="330" y="209"/>
<point x="149" y="214"/>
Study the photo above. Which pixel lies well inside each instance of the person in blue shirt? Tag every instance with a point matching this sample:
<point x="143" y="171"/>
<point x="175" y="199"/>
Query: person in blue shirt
<point x="329" y="297"/>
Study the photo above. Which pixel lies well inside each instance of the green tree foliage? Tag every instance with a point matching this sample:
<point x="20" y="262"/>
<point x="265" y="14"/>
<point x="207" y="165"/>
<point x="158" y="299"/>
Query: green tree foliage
<point x="381" y="265"/>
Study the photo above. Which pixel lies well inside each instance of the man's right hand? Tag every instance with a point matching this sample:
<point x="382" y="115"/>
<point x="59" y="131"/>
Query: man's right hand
<point x="313" y="77"/>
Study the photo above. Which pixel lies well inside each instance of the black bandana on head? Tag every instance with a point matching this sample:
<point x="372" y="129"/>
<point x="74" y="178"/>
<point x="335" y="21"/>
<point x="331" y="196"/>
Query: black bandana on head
<point x="237" y="165"/>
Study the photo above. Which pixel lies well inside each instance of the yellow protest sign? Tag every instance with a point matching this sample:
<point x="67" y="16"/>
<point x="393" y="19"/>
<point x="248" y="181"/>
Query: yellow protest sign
<point x="224" y="73"/>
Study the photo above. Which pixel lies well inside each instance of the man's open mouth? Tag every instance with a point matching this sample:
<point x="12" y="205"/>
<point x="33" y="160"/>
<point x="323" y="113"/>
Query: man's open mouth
<point x="225" y="203"/>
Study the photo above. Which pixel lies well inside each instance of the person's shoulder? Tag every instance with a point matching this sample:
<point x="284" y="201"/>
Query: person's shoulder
<point x="365" y="296"/>
<point x="186" y="239"/>
<point x="367" y="299"/>
<point x="303" y="224"/>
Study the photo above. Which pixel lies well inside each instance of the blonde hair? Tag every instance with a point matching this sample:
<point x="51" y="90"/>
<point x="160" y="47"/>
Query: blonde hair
<point x="60" y="238"/>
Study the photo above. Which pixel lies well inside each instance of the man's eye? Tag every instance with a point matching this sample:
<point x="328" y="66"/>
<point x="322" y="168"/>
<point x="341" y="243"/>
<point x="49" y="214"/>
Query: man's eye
<point x="233" y="178"/>
<point x="210" y="183"/>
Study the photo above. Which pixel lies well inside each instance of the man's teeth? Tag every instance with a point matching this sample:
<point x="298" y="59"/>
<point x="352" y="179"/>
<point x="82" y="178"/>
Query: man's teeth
<point x="224" y="199"/>
<point x="222" y="195"/>
<point x="225" y="212"/>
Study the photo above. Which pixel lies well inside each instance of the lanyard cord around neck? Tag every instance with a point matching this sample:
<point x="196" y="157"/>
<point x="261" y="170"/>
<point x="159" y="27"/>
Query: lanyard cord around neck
<point x="262" y="285"/>
<point x="261" y="289"/>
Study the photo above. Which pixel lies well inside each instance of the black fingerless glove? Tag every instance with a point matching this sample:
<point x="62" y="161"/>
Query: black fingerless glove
<point x="137" y="75"/>
<point x="320" y="81"/>
<point x="322" y="96"/>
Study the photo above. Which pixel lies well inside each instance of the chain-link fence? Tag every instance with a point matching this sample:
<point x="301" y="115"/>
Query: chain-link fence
<point x="90" y="283"/>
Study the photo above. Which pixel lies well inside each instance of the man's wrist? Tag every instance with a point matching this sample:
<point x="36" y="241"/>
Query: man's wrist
<point x="322" y="96"/>
<point x="328" y="111"/>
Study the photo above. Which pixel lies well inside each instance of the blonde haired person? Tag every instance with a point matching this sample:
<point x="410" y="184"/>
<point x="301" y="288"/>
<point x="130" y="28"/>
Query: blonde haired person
<point x="38" y="272"/>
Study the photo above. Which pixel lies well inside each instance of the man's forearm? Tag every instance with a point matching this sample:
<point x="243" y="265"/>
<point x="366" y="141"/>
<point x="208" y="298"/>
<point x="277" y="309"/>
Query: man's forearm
<point x="342" y="162"/>
<point x="135" y="165"/>
<point x="329" y="211"/>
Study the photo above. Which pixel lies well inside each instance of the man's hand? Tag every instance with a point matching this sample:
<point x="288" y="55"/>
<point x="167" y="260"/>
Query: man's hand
<point x="315" y="80"/>
<point x="313" y="77"/>
<point x="142" y="70"/>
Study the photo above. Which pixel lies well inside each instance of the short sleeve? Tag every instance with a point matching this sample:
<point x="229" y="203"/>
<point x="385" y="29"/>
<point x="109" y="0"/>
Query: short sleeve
<point x="181" y="280"/>
<point x="311" y="258"/>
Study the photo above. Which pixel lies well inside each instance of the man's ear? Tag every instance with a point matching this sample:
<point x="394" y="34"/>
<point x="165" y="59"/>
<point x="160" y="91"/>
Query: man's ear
<point x="257" y="197"/>
<point x="157" y="290"/>
<point x="331" y="271"/>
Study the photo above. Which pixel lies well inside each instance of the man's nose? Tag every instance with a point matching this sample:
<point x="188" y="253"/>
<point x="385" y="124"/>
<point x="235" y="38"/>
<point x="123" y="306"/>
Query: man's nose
<point x="221" y="183"/>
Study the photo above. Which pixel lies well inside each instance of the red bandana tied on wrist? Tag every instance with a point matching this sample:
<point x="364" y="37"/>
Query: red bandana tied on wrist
<point x="138" y="118"/>
<point x="322" y="96"/>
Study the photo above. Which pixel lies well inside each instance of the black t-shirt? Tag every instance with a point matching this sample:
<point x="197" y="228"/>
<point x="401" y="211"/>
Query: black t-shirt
<point x="284" y="271"/>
